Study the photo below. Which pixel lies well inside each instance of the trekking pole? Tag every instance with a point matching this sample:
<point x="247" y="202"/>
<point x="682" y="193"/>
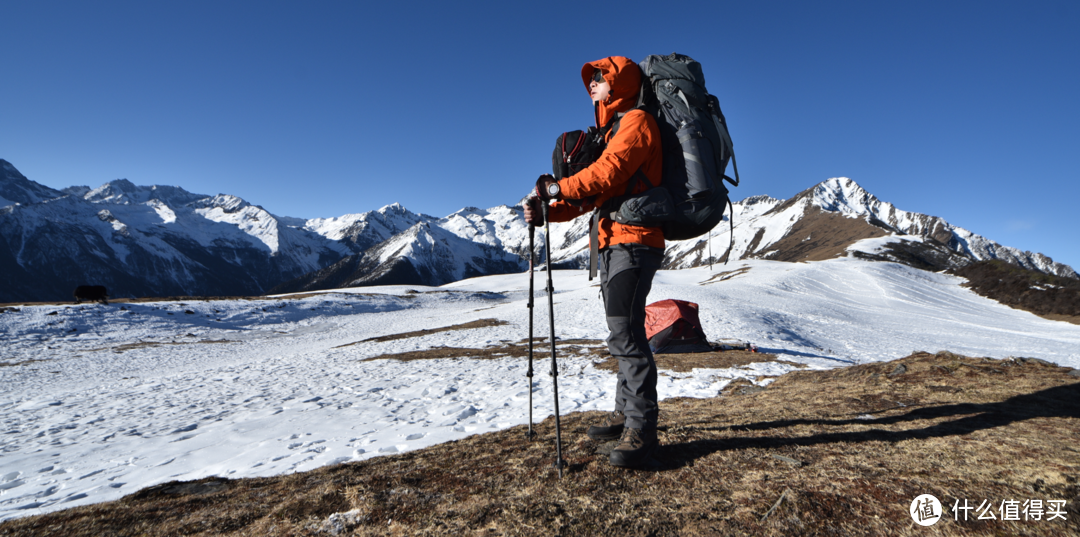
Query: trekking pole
<point x="559" y="462"/>
<point x="532" y="255"/>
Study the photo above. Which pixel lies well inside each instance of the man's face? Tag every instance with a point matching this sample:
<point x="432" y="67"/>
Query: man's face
<point x="599" y="89"/>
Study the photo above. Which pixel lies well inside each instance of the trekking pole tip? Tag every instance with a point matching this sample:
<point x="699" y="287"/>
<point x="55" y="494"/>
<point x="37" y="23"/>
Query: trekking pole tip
<point x="560" y="464"/>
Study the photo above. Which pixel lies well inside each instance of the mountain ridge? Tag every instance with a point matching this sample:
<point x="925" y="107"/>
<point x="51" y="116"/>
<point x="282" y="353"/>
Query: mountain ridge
<point x="165" y="241"/>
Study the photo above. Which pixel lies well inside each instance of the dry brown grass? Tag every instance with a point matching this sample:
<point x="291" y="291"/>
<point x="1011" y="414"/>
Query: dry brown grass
<point x="518" y="349"/>
<point x="481" y="323"/>
<point x="595" y="348"/>
<point x="703" y="360"/>
<point x="24" y="362"/>
<point x="1074" y="319"/>
<point x="1051" y="297"/>
<point x="151" y="344"/>
<point x="846" y="450"/>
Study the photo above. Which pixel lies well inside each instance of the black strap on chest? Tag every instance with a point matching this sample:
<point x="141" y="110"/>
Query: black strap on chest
<point x="611" y="207"/>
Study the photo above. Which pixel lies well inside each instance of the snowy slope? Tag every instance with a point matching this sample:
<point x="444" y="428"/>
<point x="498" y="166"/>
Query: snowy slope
<point x="97" y="401"/>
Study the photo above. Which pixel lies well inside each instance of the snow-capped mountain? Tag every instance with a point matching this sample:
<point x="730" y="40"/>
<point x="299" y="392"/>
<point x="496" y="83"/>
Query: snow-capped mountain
<point x="471" y="242"/>
<point x="364" y="230"/>
<point x="833" y="219"/>
<point x="16" y="189"/>
<point x="146" y="241"/>
<point x="165" y="241"/>
<point x="837" y="217"/>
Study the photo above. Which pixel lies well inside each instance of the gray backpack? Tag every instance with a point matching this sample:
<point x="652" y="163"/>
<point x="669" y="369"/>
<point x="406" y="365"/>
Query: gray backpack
<point x="696" y="145"/>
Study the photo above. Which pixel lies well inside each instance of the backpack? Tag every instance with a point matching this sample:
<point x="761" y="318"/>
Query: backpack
<point x="696" y="147"/>
<point x="576" y="150"/>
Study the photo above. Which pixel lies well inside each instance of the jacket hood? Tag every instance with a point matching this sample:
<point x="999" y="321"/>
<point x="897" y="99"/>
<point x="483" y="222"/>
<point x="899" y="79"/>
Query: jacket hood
<point x="624" y="76"/>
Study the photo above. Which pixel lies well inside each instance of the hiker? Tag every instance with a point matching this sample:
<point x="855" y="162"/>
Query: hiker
<point x="629" y="256"/>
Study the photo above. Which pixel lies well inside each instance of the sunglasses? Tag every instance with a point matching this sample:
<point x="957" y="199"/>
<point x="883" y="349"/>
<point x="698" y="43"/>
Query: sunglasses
<point x="598" y="76"/>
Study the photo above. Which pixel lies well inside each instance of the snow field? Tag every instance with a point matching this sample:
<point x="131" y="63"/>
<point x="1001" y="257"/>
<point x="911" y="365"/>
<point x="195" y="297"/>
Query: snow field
<point x="99" y="401"/>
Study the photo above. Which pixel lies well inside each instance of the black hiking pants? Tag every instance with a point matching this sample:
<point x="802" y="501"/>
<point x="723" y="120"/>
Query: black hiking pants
<point x="626" y="274"/>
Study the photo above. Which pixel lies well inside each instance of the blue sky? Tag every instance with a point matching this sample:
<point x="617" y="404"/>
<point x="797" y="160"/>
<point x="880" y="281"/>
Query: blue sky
<point x="963" y="110"/>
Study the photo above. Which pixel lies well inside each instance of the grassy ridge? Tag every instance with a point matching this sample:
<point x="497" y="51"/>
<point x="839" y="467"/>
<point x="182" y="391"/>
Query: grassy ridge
<point x="1046" y="295"/>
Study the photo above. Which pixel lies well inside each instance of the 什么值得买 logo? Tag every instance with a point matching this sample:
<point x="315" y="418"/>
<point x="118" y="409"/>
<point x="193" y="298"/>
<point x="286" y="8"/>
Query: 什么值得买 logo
<point x="925" y="510"/>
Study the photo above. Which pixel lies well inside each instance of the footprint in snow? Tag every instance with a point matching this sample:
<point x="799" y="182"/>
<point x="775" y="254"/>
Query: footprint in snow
<point x="95" y="472"/>
<point x="49" y="491"/>
<point x="12" y="484"/>
<point x="186" y="428"/>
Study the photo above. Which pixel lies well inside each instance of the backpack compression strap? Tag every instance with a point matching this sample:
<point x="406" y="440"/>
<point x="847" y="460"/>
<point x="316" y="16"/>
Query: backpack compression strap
<point x="731" y="227"/>
<point x="605" y="211"/>
<point x="594" y="242"/>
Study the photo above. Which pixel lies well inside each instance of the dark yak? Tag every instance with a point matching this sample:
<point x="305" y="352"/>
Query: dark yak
<point x="91" y="292"/>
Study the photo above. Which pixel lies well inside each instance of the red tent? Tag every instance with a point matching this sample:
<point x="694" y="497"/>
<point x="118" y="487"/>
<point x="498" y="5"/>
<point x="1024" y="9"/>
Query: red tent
<point x="672" y="326"/>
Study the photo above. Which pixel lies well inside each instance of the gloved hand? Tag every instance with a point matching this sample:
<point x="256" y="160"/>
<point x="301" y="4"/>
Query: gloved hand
<point x="534" y="213"/>
<point x="547" y="188"/>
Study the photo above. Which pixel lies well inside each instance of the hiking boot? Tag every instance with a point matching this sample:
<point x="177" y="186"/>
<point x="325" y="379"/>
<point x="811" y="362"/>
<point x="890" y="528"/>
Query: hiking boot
<point x="634" y="447"/>
<point x="609" y="429"/>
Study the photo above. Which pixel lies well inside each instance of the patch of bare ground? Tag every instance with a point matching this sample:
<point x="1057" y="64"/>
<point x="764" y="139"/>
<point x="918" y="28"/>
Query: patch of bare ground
<point x="24" y="362"/>
<point x="150" y="344"/>
<point x="594" y="348"/>
<point x="838" y="452"/>
<point x="821" y="235"/>
<point x="724" y="276"/>
<point x="517" y="350"/>
<point x="1074" y="319"/>
<point x="685" y="363"/>
<point x="1052" y="297"/>
<point x="481" y="323"/>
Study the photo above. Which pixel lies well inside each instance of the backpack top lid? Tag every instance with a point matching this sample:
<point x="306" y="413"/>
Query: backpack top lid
<point x="679" y="70"/>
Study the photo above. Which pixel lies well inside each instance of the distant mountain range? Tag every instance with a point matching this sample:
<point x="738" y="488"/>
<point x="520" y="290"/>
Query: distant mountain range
<point x="165" y="241"/>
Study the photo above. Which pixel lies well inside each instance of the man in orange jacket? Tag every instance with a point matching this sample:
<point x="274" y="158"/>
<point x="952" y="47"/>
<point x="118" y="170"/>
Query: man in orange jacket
<point x="629" y="256"/>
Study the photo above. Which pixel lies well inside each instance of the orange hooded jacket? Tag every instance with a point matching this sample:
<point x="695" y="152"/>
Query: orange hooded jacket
<point x="636" y="145"/>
